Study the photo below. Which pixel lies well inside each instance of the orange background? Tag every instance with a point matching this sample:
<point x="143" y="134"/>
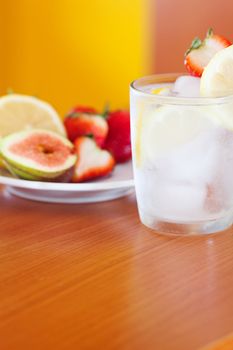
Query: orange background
<point x="72" y="51"/>
<point x="87" y="52"/>
<point x="179" y="21"/>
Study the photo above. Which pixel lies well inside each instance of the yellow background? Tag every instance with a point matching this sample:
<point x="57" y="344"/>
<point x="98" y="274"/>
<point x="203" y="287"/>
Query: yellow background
<point x="72" y="51"/>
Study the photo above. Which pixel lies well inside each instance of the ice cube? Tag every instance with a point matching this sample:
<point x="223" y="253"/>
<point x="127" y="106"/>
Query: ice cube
<point x="223" y="181"/>
<point x="176" y="186"/>
<point x="195" y="162"/>
<point x="179" y="201"/>
<point x="170" y="200"/>
<point x="187" y="86"/>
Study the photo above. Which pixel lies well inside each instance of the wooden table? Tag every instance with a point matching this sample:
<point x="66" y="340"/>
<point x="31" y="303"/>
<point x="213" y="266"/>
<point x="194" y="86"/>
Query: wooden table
<point x="92" y="277"/>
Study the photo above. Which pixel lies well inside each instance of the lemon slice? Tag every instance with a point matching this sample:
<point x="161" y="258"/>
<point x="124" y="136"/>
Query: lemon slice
<point x="217" y="78"/>
<point x="165" y="128"/>
<point x="21" y="112"/>
<point x="165" y="91"/>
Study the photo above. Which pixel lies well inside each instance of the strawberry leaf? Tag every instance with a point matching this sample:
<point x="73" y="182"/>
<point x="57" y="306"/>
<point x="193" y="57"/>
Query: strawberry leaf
<point x="10" y="91"/>
<point x="106" y="111"/>
<point x="74" y="114"/>
<point x="196" y="43"/>
<point x="209" y="32"/>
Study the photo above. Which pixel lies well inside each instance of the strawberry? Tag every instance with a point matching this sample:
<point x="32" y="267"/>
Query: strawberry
<point x="83" y="121"/>
<point x="83" y="109"/>
<point x="92" y="161"/>
<point x="118" y="138"/>
<point x="199" y="54"/>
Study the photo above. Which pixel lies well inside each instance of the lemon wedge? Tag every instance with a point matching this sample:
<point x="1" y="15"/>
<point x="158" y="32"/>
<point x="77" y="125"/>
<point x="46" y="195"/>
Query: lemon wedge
<point x="22" y="112"/>
<point x="217" y="78"/>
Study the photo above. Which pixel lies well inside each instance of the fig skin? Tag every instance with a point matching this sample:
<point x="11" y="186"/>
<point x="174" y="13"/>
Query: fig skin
<point x="64" y="177"/>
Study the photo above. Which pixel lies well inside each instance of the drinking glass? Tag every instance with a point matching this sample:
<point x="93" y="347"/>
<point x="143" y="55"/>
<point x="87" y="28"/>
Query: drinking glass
<point x="182" y="158"/>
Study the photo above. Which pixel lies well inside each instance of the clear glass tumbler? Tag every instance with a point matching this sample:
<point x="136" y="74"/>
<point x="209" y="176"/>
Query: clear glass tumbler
<point x="182" y="158"/>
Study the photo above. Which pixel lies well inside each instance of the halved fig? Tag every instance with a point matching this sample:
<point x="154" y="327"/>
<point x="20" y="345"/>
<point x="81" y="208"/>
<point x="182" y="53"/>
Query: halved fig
<point x="38" y="155"/>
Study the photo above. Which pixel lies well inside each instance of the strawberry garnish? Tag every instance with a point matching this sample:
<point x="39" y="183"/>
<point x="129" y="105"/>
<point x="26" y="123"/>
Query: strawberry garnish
<point x="86" y="124"/>
<point x="200" y="53"/>
<point x="118" y="138"/>
<point x="93" y="162"/>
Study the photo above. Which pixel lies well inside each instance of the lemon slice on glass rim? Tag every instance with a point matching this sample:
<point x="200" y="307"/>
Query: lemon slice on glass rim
<point x="217" y="78"/>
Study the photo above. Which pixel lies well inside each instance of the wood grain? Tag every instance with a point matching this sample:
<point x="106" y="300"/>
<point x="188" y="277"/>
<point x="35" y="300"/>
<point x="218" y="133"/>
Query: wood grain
<point x="92" y="277"/>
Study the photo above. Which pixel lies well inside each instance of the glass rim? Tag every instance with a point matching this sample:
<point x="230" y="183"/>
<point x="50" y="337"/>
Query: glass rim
<point x="164" y="77"/>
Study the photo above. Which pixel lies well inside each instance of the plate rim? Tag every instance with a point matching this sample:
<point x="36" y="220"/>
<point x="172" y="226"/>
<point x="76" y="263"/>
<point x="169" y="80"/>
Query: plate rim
<point x="62" y="186"/>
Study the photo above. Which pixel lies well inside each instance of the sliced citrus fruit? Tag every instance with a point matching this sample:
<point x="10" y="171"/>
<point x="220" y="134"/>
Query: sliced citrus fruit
<point x="217" y="78"/>
<point x="22" y="112"/>
<point x="167" y="127"/>
<point x="161" y="91"/>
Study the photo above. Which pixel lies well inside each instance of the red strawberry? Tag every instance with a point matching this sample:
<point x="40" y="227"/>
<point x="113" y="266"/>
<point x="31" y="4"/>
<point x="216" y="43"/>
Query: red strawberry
<point x="199" y="54"/>
<point x="118" y="138"/>
<point x="83" y="109"/>
<point x="85" y="124"/>
<point x="92" y="161"/>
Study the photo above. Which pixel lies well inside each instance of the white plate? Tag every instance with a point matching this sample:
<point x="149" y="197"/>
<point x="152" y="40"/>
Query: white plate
<point x="118" y="184"/>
